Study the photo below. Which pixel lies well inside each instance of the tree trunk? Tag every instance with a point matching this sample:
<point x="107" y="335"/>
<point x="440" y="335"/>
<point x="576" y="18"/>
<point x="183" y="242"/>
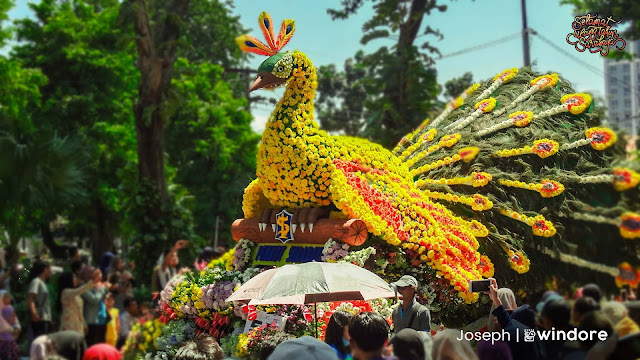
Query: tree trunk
<point x="57" y="251"/>
<point x="399" y="95"/>
<point x="101" y="235"/>
<point x="157" y="36"/>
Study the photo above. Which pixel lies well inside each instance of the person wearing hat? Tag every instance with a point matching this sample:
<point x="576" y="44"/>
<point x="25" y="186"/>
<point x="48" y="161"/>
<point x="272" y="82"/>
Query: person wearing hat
<point x="410" y="313"/>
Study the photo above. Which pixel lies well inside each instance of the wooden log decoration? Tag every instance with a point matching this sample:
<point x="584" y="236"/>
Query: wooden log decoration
<point x="350" y="231"/>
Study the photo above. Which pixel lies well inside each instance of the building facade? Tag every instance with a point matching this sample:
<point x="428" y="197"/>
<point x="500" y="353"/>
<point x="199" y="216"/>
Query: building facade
<point x="622" y="90"/>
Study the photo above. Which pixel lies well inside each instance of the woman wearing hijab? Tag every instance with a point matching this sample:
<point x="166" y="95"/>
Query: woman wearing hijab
<point x="102" y="352"/>
<point x="446" y="346"/>
<point x="9" y="328"/>
<point x="70" y="302"/>
<point x="508" y="300"/>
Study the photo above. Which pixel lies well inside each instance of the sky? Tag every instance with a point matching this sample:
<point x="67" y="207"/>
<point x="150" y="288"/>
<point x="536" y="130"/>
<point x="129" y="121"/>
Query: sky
<point x="464" y="24"/>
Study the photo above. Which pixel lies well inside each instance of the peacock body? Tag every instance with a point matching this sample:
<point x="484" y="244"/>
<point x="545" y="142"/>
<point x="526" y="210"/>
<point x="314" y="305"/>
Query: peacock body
<point x="500" y="168"/>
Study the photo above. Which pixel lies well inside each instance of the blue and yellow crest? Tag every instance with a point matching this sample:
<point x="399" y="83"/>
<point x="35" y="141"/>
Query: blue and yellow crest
<point x="283" y="226"/>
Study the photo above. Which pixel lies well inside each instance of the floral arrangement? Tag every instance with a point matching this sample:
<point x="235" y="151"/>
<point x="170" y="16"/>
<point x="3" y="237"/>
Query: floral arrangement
<point x="255" y="339"/>
<point x="334" y="251"/>
<point x="242" y="254"/>
<point x="173" y="334"/>
<point x="142" y="339"/>
<point x="360" y="257"/>
<point x="224" y="262"/>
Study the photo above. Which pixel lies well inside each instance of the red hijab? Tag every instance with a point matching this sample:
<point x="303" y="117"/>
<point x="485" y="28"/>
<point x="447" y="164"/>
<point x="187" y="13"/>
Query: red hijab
<point x="102" y="352"/>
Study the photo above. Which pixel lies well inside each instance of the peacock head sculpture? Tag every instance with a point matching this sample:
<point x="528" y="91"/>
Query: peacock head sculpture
<point x="278" y="68"/>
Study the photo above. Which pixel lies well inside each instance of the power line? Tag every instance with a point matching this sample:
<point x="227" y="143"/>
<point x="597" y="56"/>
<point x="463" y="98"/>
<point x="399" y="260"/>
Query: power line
<point x="485" y="45"/>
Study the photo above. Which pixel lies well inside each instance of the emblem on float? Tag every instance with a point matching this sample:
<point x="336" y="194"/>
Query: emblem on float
<point x="283" y="226"/>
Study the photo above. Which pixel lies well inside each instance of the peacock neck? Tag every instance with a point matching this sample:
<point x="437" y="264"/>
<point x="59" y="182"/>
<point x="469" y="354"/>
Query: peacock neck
<point x="294" y="111"/>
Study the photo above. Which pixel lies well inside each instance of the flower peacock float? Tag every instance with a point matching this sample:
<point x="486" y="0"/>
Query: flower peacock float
<point x="517" y="162"/>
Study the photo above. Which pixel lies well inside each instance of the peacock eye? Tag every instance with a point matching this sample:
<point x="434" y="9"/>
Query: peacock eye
<point x="280" y="68"/>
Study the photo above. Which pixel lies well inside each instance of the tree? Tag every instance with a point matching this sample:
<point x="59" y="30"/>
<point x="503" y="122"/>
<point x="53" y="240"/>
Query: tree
<point x="211" y="145"/>
<point x="341" y="96"/>
<point x="456" y="86"/>
<point x="88" y="99"/>
<point x="401" y="81"/>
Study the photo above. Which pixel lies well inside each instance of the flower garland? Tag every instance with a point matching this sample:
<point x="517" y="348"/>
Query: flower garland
<point x="518" y="118"/>
<point x="539" y="225"/>
<point x="547" y="188"/>
<point x="482" y="107"/>
<point x="477" y="202"/>
<point x="543" y="148"/>
<point x="465" y="154"/>
<point x="543" y="82"/>
<point x="427" y="137"/>
<point x="475" y="179"/>
<point x="446" y="141"/>
<point x="498" y="80"/>
<point x="454" y="104"/>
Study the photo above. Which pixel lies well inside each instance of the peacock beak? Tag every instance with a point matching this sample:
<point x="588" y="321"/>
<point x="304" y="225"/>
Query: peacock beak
<point x="265" y="79"/>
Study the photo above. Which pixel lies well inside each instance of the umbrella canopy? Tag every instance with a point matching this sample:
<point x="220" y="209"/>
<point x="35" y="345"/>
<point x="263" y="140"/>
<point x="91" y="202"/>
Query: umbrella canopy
<point x="312" y="283"/>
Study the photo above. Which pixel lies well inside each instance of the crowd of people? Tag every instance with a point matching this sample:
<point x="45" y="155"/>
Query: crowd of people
<point x="96" y="312"/>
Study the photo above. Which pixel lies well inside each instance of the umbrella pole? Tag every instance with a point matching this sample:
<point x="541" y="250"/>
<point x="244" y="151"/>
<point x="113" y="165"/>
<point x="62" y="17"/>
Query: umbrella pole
<point x="315" y="308"/>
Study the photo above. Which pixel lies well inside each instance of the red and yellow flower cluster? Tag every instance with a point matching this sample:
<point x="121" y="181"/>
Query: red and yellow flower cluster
<point x="576" y="103"/>
<point x="628" y="275"/>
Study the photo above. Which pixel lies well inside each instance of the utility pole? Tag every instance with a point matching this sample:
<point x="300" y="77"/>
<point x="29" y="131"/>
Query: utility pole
<point x="215" y="239"/>
<point x="525" y="34"/>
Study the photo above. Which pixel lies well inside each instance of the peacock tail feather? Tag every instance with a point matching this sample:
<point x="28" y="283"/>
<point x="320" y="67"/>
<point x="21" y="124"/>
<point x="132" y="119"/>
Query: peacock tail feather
<point x="552" y="173"/>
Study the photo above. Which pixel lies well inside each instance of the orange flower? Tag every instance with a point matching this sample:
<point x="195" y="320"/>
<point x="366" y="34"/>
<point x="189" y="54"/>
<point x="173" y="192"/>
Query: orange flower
<point x="576" y="103"/>
<point x="545" y="81"/>
<point x="545" y="147"/>
<point x="625" y="179"/>
<point x="551" y="188"/>
<point x="506" y="75"/>
<point x="628" y="275"/>
<point x="468" y="153"/>
<point x="521" y="118"/>
<point x="630" y="225"/>
<point x="601" y="138"/>
<point x="486" y="105"/>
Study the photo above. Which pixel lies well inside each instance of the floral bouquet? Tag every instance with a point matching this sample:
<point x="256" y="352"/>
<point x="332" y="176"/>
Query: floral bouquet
<point x="142" y="339"/>
<point x="252" y="345"/>
<point x="334" y="251"/>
